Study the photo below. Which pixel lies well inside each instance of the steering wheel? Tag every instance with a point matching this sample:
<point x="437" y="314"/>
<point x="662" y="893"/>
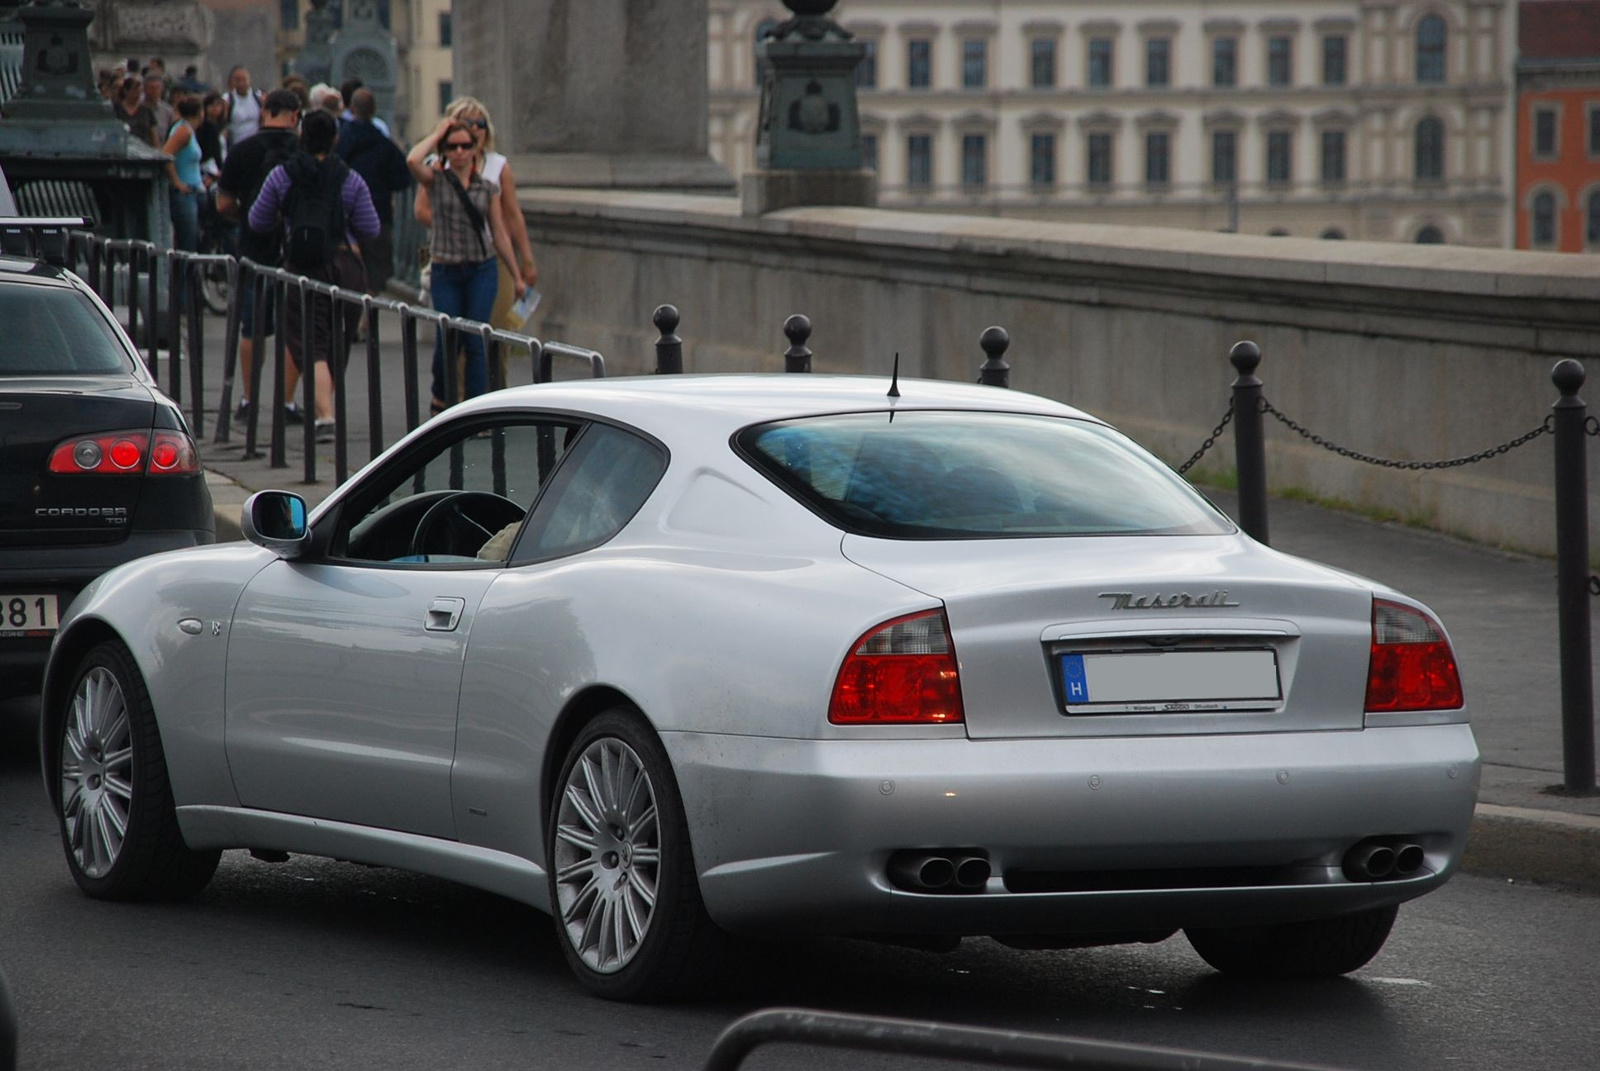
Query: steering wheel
<point x="462" y="523"/>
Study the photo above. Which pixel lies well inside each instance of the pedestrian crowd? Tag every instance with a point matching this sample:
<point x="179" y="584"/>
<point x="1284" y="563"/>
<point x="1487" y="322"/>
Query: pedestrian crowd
<point x="304" y="177"/>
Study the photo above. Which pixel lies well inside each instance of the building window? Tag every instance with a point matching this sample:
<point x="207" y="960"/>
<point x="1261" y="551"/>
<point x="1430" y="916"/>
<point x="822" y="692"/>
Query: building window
<point x="1334" y="68"/>
<point x="1333" y="166"/>
<point x="385" y="17"/>
<point x="1224" y="157"/>
<point x="447" y="93"/>
<point x="1546" y="145"/>
<point x="289" y="14"/>
<point x="1430" y="235"/>
<point x="1042" y="160"/>
<point x="1100" y="63"/>
<point x="1279" y="145"/>
<point x="1430" y="150"/>
<point x="1044" y="63"/>
<point x="1158" y="61"/>
<point x="444" y="29"/>
<point x="1280" y="69"/>
<point x="1099" y="160"/>
<point x="869" y="151"/>
<point x="1594" y="130"/>
<point x="1430" y="49"/>
<point x="1544" y="220"/>
<point x="919" y="64"/>
<point x="974" y="160"/>
<point x="1591" y="230"/>
<point x="1225" y="61"/>
<point x="867" y="69"/>
<point x="765" y="27"/>
<point x="974" y="64"/>
<point x="919" y="161"/>
<point x="1157" y="158"/>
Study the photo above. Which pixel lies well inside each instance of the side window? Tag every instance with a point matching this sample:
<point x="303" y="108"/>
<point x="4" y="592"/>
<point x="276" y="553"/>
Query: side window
<point x="605" y="481"/>
<point x="462" y="500"/>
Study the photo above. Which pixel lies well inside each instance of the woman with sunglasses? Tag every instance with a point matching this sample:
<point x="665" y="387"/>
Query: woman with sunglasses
<point x="468" y="231"/>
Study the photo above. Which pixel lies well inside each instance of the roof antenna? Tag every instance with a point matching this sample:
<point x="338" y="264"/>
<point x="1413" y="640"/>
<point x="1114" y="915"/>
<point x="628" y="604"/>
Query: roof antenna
<point x="894" y="384"/>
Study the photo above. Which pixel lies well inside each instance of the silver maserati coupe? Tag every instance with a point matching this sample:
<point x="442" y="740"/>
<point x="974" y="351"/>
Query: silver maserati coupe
<point x="679" y="658"/>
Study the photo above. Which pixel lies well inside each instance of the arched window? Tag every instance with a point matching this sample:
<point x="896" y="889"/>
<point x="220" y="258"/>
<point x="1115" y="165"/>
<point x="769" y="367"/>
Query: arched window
<point x="1430" y="49"/>
<point x="1544" y="220"/>
<point x="1430" y="235"/>
<point x="1333" y="234"/>
<point x="1430" y="150"/>
<point x="763" y="28"/>
<point x="1591" y="230"/>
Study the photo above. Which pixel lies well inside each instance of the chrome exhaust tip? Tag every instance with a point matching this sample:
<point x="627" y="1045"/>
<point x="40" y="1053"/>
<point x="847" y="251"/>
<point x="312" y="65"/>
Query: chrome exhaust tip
<point x="1369" y="861"/>
<point x="972" y="873"/>
<point x="1408" y="859"/>
<point x="921" y="871"/>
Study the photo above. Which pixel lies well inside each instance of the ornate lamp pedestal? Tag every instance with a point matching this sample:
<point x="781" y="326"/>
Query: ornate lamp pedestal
<point x="808" y="141"/>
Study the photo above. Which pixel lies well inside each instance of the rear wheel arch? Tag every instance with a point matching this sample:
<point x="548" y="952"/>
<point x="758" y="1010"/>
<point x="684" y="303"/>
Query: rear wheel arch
<point x="580" y="710"/>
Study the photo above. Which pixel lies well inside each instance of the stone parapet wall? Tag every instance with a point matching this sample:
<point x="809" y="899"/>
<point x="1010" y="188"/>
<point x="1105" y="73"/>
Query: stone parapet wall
<point x="1409" y="352"/>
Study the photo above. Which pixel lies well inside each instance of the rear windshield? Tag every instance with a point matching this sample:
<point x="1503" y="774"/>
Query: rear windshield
<point x="53" y="331"/>
<point x="954" y="475"/>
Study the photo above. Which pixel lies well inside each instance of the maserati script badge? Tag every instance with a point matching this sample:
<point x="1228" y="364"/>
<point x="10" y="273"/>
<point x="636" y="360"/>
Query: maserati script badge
<point x="1124" y="600"/>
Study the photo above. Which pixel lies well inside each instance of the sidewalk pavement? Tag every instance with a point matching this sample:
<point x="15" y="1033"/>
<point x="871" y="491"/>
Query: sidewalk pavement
<point x="1499" y="608"/>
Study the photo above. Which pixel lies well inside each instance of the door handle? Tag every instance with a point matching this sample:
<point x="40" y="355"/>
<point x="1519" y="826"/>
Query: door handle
<point x="445" y="614"/>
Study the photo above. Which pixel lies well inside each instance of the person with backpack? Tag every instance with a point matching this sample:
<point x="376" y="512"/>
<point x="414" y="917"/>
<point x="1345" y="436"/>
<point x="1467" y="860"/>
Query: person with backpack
<point x="244" y="172"/>
<point x="370" y="153"/>
<point x="322" y="211"/>
<point x="468" y="231"/>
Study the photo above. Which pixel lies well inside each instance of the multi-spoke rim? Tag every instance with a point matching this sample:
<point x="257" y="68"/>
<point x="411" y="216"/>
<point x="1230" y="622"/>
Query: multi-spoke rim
<point x="607" y="855"/>
<point x="97" y="772"/>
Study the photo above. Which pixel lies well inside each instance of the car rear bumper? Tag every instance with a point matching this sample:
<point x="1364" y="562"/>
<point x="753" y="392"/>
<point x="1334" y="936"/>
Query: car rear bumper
<point x="64" y="571"/>
<point x="1121" y="834"/>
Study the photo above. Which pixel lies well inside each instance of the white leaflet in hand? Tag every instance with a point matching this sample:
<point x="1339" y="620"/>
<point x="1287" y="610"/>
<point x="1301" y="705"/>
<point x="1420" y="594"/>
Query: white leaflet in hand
<point x="525" y="305"/>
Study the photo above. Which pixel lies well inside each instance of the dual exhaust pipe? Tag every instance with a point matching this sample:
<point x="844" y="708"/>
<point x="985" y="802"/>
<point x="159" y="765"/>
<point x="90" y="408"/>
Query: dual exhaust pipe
<point x="1383" y="859"/>
<point x="942" y="870"/>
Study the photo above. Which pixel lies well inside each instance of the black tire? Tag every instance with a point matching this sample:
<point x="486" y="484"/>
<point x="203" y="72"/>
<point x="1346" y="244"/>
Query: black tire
<point x="111" y="770"/>
<point x="1321" y="948"/>
<point x="214" y="288"/>
<point x="680" y="949"/>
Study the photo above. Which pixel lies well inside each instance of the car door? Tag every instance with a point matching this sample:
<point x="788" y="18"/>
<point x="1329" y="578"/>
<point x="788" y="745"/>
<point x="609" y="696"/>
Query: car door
<point x="344" y="670"/>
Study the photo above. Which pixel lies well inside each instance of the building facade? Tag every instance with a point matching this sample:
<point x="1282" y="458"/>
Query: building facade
<point x="1376" y="119"/>
<point x="1558" y="126"/>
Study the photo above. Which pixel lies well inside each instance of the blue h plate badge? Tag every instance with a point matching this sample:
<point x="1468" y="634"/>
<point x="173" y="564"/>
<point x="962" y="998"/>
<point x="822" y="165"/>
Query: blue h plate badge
<point x="1072" y="674"/>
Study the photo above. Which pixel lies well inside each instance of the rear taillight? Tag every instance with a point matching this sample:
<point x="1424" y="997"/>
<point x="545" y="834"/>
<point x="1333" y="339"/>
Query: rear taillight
<point x="161" y="453"/>
<point x="1412" y="666"/>
<point x="902" y="672"/>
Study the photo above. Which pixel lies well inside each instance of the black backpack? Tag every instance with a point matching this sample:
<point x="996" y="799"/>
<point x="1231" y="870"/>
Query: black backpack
<point x="279" y="147"/>
<point x="313" y="211"/>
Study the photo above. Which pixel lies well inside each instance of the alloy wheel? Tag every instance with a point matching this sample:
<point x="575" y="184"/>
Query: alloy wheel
<point x="607" y="855"/>
<point x="97" y="772"/>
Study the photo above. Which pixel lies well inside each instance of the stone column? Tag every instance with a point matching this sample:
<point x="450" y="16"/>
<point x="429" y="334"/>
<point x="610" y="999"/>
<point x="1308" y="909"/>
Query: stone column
<point x="595" y="93"/>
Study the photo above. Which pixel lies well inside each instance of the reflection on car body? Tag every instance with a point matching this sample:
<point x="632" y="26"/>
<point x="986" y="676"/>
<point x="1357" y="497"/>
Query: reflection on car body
<point x="774" y="656"/>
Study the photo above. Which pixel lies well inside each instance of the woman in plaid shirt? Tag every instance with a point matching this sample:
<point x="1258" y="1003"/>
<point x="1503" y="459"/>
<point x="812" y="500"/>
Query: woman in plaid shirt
<point x="468" y="231"/>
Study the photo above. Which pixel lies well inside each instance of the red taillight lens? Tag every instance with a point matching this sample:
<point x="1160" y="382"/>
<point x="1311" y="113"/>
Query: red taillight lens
<point x="166" y="453"/>
<point x="1412" y="666"/>
<point x="902" y="672"/>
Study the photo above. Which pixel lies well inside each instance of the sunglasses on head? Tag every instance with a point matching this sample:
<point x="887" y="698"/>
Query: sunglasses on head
<point x="481" y="124"/>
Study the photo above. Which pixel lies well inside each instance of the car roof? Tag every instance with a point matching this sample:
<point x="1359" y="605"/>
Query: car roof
<point x="727" y="402"/>
<point x="28" y="269"/>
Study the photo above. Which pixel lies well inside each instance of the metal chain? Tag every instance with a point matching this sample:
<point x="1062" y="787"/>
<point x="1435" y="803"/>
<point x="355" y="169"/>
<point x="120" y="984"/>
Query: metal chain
<point x="1355" y="455"/>
<point x="1211" y="440"/>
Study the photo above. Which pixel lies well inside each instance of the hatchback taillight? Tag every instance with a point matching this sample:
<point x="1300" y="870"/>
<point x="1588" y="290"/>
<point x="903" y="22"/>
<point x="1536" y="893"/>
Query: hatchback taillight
<point x="160" y="453"/>
<point x="902" y="672"/>
<point x="1412" y="665"/>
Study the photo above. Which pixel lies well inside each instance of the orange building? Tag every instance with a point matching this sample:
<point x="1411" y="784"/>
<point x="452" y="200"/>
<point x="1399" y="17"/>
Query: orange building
<point x="1558" y="126"/>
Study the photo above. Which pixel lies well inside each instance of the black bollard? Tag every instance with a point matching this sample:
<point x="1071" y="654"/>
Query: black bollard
<point x="1572" y="578"/>
<point x="995" y="371"/>
<point x="1250" y="454"/>
<point x="797" y="358"/>
<point x="669" y="347"/>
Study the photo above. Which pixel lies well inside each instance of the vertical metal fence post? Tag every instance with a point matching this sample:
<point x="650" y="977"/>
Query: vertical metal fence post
<point x="193" y="310"/>
<point x="1572" y="578"/>
<point x="308" y="379"/>
<point x="338" y="350"/>
<point x="280" y="340"/>
<point x="797" y="358"/>
<point x="369" y="317"/>
<point x="133" y="294"/>
<point x="669" y="347"/>
<point x="175" y="266"/>
<point x="152" y="308"/>
<point x="995" y="371"/>
<point x="230" y="352"/>
<point x="1249" y="440"/>
<point x="408" y="366"/>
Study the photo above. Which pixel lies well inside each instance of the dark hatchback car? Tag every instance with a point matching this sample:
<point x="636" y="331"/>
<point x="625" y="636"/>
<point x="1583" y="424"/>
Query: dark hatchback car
<point x="97" y="466"/>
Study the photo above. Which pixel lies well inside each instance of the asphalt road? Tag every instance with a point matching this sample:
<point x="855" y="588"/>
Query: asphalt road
<point x="318" y="964"/>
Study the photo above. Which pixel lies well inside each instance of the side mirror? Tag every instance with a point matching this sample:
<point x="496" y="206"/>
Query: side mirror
<point x="276" y="520"/>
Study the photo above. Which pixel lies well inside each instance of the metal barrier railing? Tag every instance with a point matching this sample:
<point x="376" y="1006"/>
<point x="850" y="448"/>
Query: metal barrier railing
<point x="115" y="268"/>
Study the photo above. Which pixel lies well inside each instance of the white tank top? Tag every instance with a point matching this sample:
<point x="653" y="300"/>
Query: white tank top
<point x="493" y="164"/>
<point x="245" y="119"/>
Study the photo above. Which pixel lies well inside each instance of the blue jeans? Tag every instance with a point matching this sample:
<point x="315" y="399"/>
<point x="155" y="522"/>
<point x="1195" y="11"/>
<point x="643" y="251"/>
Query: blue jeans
<point x="465" y="290"/>
<point x="185" y="227"/>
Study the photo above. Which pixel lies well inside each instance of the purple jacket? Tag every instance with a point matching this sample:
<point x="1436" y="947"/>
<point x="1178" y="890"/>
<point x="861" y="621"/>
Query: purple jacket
<point x="361" y="218"/>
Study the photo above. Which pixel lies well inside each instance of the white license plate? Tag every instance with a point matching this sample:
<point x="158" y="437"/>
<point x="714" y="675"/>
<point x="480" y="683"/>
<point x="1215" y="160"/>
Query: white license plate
<point x="1153" y="682"/>
<point x="27" y="615"/>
